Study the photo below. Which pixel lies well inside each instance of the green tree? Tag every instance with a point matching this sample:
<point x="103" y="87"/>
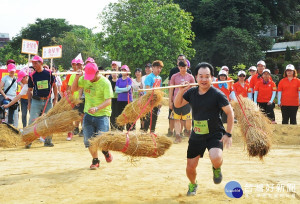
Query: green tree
<point x="254" y="16"/>
<point x="234" y="45"/>
<point x="42" y="31"/>
<point x="80" y="40"/>
<point x="140" y="31"/>
<point x="7" y="52"/>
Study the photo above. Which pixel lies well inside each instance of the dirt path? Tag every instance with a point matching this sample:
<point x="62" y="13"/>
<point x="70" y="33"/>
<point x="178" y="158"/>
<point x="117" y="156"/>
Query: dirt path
<point x="61" y="174"/>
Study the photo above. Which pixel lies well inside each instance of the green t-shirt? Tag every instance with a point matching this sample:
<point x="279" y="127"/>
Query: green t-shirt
<point x="71" y="80"/>
<point x="95" y="94"/>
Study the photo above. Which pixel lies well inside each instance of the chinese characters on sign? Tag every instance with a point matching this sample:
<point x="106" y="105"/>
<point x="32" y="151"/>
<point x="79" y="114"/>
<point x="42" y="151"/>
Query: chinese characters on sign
<point x="270" y="190"/>
<point x="30" y="46"/>
<point x="52" y="52"/>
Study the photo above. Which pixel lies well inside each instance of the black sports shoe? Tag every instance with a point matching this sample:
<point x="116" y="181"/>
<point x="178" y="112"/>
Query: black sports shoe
<point x="76" y="131"/>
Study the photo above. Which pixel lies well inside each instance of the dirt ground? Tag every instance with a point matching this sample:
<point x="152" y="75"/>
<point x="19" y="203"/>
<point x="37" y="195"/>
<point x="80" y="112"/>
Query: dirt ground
<point x="61" y="174"/>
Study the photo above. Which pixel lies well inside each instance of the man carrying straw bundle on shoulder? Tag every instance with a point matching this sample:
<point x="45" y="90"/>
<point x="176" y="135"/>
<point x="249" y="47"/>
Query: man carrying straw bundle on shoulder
<point x="208" y="131"/>
<point x="98" y="93"/>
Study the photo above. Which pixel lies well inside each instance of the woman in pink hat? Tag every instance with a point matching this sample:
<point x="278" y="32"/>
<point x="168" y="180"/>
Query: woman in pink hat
<point x="23" y="78"/>
<point x="8" y="89"/>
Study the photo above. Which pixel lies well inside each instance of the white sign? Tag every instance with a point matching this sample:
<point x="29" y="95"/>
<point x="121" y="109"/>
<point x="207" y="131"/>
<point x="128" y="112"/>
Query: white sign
<point x="52" y="52"/>
<point x="30" y="46"/>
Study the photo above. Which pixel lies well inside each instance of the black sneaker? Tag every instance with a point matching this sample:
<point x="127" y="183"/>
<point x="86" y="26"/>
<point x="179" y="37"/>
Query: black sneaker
<point x="81" y="133"/>
<point x="76" y="131"/>
<point x="217" y="175"/>
<point x="192" y="189"/>
<point x="170" y="133"/>
<point x="48" y="144"/>
<point x="28" y="146"/>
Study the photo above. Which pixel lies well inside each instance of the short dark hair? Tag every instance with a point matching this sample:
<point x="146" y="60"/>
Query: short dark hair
<point x="181" y="55"/>
<point x="204" y="65"/>
<point x="101" y="68"/>
<point x="182" y="64"/>
<point x="138" y="70"/>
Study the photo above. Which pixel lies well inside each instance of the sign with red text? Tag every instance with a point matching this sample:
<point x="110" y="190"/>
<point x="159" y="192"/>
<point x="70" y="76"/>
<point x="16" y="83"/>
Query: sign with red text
<point x="30" y="46"/>
<point x="52" y="52"/>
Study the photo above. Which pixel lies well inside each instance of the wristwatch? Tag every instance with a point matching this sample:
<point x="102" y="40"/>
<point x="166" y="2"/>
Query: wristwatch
<point x="228" y="134"/>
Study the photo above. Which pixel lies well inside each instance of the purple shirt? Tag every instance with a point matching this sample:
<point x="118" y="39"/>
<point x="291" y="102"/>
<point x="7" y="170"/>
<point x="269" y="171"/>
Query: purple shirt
<point x="122" y="84"/>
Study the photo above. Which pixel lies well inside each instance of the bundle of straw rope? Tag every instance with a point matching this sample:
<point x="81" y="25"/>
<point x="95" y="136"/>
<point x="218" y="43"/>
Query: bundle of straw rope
<point x="48" y="125"/>
<point x="65" y="104"/>
<point x="132" y="110"/>
<point x="255" y="127"/>
<point x="142" y="145"/>
<point x="9" y="137"/>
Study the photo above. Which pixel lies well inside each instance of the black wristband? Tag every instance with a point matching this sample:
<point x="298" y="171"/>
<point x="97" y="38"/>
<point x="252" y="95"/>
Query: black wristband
<point x="228" y="134"/>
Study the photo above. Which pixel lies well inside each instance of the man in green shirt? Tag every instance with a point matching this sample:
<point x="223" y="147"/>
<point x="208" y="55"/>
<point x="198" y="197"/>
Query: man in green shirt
<point x="98" y="93"/>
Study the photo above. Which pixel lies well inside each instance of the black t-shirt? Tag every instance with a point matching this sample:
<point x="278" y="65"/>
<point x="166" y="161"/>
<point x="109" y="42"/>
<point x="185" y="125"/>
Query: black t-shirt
<point x="41" y="82"/>
<point x="206" y="111"/>
<point x="176" y="70"/>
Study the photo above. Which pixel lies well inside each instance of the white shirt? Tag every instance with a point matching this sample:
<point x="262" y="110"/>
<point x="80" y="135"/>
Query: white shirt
<point x="24" y="90"/>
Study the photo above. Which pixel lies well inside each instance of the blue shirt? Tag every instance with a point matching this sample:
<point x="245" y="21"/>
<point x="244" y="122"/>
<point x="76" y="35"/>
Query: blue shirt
<point x="153" y="81"/>
<point x="41" y="82"/>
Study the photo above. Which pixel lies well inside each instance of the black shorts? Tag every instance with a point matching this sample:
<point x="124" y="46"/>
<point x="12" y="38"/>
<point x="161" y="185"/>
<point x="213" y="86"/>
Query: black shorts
<point x="196" y="148"/>
<point x="80" y="106"/>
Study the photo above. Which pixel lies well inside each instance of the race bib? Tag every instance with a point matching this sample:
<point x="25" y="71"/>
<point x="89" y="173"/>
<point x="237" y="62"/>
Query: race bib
<point x="42" y="84"/>
<point x="201" y="127"/>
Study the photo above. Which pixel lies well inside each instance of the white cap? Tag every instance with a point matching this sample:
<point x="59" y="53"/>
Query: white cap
<point x="267" y="70"/>
<point x="290" y="67"/>
<point x="241" y="72"/>
<point x="222" y="72"/>
<point x="261" y="62"/>
<point x="225" y="68"/>
<point x="252" y="68"/>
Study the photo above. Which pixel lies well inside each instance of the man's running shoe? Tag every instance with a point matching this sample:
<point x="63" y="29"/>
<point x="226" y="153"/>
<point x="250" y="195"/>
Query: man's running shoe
<point x="108" y="157"/>
<point x="217" y="175"/>
<point x="95" y="165"/>
<point x="192" y="189"/>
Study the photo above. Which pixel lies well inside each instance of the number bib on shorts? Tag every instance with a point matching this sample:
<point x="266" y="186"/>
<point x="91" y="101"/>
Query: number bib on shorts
<point x="201" y="127"/>
<point x="42" y="84"/>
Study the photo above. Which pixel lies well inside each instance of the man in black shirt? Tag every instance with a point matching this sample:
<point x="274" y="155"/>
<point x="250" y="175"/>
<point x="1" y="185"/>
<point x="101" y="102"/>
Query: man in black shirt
<point x="208" y="131"/>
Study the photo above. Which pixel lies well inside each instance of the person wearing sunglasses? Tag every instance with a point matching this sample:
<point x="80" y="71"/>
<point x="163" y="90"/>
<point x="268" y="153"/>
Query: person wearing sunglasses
<point x="241" y="87"/>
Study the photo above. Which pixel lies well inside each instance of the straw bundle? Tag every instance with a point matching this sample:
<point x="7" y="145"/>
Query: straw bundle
<point x="257" y="135"/>
<point x="132" y="110"/>
<point x="65" y="104"/>
<point x="142" y="145"/>
<point x="9" y="137"/>
<point x="48" y="125"/>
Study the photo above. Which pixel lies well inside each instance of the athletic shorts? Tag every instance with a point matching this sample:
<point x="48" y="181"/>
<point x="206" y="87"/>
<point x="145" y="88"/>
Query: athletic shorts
<point x="182" y="113"/>
<point x="196" y="148"/>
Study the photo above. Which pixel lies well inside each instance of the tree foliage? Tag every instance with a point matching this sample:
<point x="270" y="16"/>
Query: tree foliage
<point x="141" y="31"/>
<point x="42" y="31"/>
<point x="211" y="17"/>
<point x="80" y="40"/>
